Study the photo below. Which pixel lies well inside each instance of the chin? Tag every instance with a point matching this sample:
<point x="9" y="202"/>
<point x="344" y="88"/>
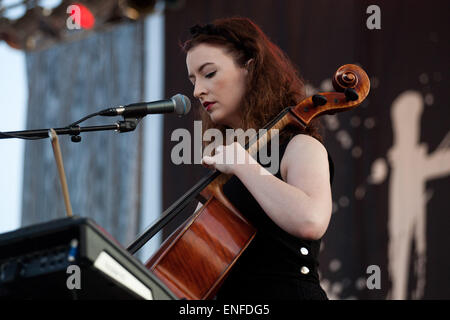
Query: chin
<point x="217" y="119"/>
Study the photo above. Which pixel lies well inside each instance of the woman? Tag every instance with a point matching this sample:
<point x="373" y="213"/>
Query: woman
<point x="243" y="80"/>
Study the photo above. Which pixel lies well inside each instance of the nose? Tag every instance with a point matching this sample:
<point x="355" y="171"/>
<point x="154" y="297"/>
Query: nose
<point x="199" y="89"/>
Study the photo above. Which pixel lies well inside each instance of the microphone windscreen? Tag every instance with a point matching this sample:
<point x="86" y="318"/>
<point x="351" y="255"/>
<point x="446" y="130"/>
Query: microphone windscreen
<point x="182" y="104"/>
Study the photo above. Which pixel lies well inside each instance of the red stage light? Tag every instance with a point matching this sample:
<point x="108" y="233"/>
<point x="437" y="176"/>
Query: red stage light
<point x="87" y="19"/>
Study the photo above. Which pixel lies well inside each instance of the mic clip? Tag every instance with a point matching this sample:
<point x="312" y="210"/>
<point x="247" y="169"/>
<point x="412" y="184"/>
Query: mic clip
<point x="128" y="124"/>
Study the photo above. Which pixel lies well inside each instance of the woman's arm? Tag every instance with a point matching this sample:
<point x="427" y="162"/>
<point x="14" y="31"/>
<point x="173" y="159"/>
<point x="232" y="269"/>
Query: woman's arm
<point x="302" y="205"/>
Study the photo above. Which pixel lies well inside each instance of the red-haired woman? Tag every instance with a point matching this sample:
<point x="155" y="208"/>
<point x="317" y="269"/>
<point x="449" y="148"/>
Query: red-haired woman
<point x="243" y="80"/>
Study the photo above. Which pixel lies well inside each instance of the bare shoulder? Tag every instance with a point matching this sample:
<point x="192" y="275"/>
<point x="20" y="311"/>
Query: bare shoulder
<point x="304" y="157"/>
<point x="305" y="141"/>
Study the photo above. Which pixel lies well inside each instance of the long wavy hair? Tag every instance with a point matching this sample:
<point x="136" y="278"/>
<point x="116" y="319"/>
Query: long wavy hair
<point x="273" y="83"/>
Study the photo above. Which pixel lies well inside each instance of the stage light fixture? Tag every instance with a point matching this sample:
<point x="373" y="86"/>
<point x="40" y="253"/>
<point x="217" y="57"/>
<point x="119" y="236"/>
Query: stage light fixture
<point x="8" y="34"/>
<point x="26" y="28"/>
<point x="136" y="9"/>
<point x="40" y="27"/>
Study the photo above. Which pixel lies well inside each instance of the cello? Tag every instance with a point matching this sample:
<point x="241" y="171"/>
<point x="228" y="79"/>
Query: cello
<point x="196" y="258"/>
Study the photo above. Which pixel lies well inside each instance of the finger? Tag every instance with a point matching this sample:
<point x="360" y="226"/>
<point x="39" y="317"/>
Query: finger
<point x="208" y="161"/>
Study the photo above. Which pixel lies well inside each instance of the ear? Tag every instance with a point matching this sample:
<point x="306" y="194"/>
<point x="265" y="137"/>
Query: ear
<point x="246" y="65"/>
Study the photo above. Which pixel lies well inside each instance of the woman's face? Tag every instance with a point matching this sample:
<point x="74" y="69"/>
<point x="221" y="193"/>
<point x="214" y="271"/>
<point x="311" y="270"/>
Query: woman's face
<point x="218" y="82"/>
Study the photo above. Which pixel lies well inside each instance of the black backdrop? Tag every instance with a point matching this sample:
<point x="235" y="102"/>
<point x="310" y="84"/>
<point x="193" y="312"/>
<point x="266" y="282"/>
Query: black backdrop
<point x="390" y="207"/>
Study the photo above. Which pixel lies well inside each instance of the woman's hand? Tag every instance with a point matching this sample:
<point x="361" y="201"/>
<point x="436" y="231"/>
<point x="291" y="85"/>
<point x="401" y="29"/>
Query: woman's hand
<point x="228" y="158"/>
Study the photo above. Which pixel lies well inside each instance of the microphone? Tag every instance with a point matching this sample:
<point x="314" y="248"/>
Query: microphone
<point x="179" y="103"/>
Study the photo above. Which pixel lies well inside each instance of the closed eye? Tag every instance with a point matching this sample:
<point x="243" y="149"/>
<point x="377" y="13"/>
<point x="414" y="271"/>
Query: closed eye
<point x="210" y="75"/>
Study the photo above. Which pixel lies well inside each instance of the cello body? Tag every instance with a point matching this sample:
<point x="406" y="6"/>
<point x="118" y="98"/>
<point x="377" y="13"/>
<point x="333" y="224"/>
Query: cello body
<point x="193" y="262"/>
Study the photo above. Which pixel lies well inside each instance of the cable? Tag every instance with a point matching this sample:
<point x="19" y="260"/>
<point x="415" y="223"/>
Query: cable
<point x="84" y="119"/>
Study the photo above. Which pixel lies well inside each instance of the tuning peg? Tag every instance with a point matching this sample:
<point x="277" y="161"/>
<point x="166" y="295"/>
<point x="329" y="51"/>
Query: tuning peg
<point x="351" y="94"/>
<point x="319" y="100"/>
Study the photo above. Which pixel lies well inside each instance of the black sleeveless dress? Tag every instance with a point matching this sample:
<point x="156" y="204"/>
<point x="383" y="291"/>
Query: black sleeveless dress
<point x="276" y="265"/>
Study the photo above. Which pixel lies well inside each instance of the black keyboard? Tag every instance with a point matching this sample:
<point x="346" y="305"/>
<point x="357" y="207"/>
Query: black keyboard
<point x="72" y="258"/>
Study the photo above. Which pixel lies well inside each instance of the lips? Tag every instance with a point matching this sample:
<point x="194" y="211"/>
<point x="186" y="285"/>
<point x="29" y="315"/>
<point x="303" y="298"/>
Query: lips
<point x="208" y="105"/>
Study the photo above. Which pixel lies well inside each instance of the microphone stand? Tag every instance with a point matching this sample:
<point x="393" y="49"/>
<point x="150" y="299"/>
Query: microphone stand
<point x="128" y="124"/>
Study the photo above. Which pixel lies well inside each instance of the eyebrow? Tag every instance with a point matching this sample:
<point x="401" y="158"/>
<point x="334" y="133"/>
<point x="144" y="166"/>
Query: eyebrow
<point x="200" y="69"/>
